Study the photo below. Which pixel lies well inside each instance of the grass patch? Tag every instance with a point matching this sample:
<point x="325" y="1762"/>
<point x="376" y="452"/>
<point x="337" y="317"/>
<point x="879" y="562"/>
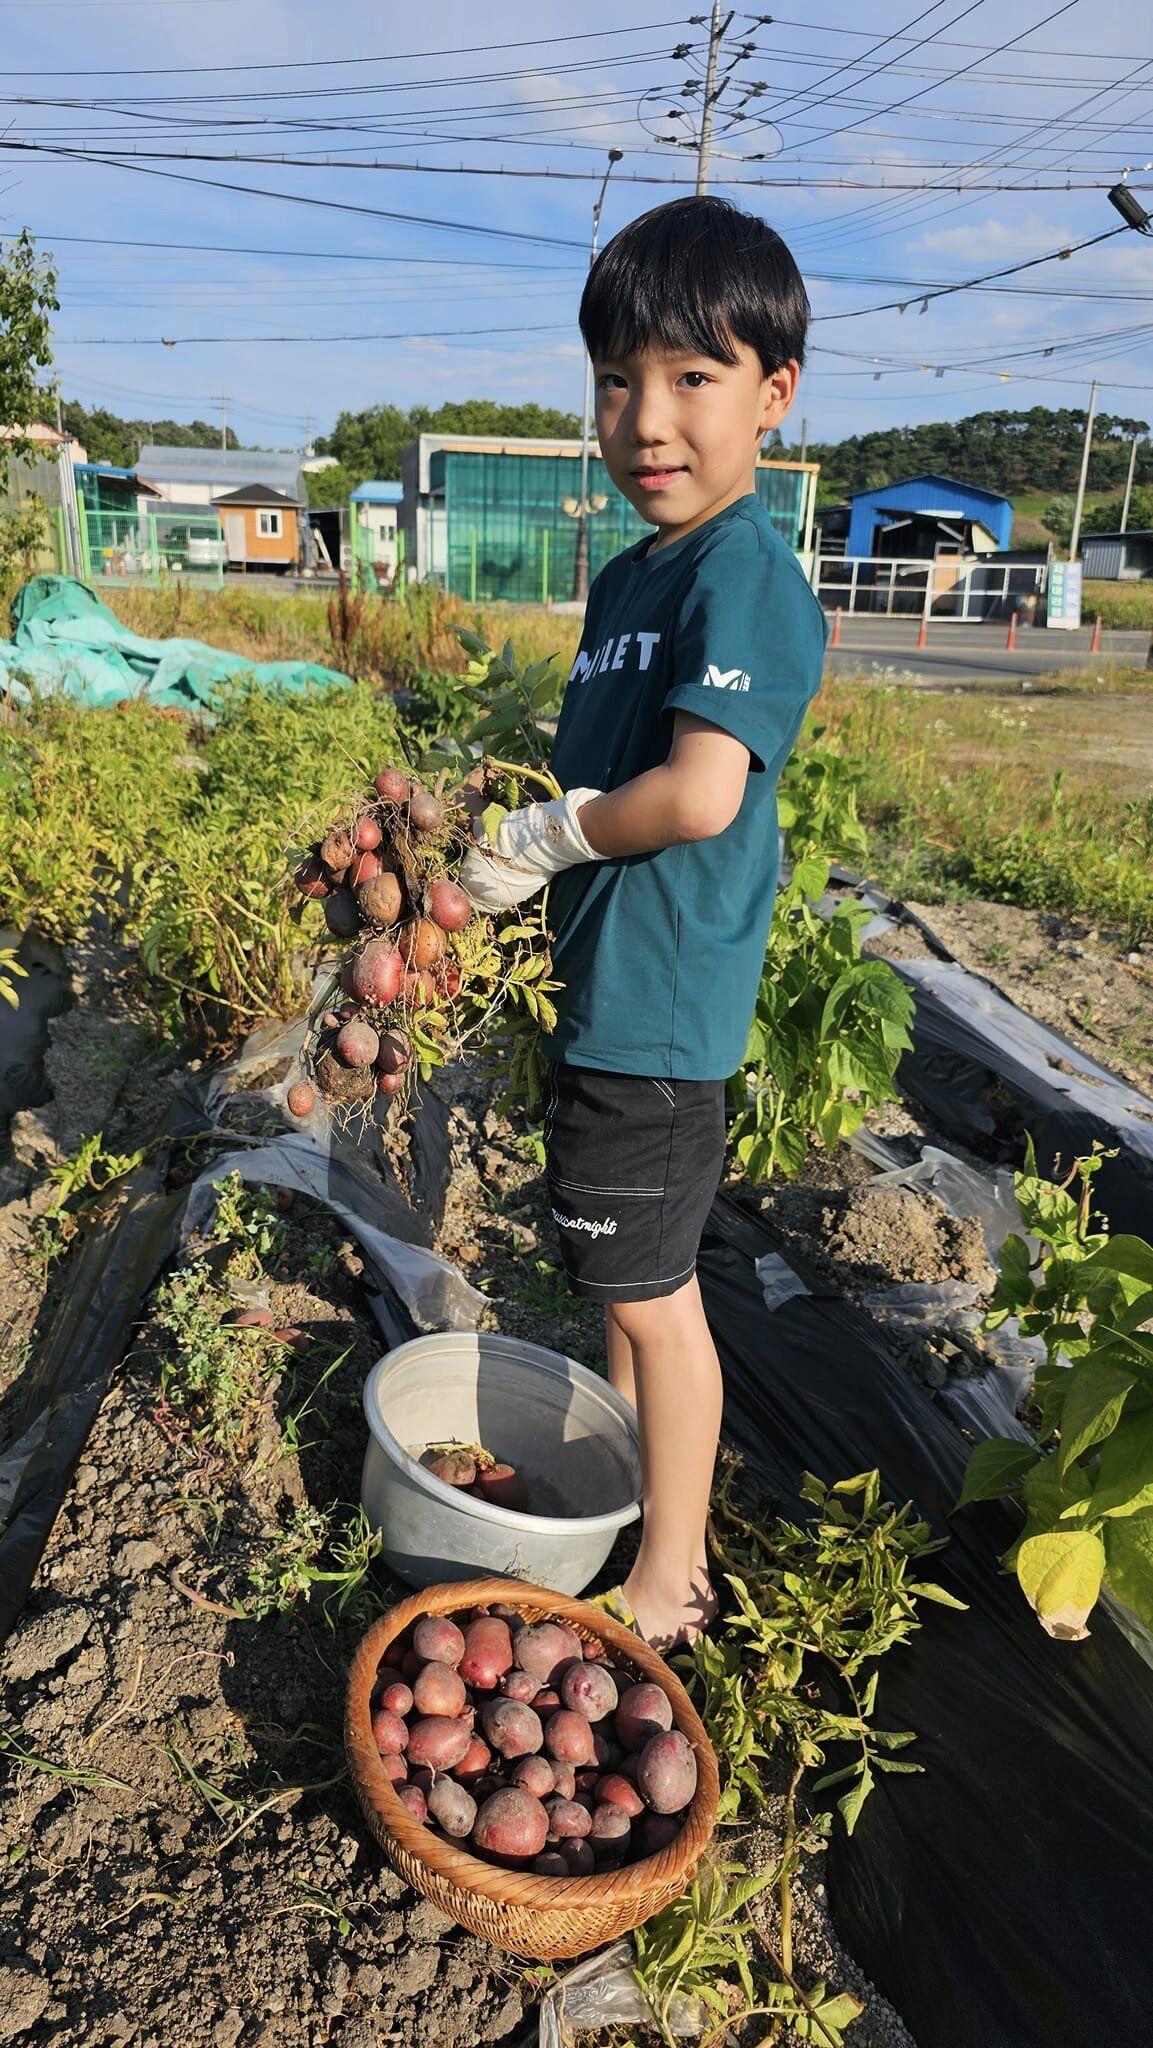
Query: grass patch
<point x="965" y="796"/>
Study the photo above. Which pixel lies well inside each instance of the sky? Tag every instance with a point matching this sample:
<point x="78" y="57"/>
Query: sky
<point x="463" y="262"/>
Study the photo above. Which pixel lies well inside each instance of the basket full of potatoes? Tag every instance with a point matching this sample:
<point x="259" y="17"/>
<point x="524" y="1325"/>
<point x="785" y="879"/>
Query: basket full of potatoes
<point x="528" y="1764"/>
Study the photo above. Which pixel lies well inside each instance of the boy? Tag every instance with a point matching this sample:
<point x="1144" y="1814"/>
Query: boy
<point x="702" y="646"/>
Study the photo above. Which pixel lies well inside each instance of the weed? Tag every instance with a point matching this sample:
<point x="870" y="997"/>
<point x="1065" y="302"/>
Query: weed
<point x="81" y="1182"/>
<point x="216" y="1376"/>
<point x="13" y="1744"/>
<point x="290" y="1567"/>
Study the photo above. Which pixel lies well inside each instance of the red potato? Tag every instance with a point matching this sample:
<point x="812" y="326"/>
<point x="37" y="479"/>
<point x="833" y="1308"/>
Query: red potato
<point x="357" y="1045"/>
<point x="388" y="1732"/>
<point x="341" y="914"/>
<point x="381" y="898"/>
<point x="550" y="1863"/>
<point x="446" y="975"/>
<point x="394" y="1053"/>
<point x="301" y="1099"/>
<point x="438" y="1742"/>
<point x="392" y="786"/>
<point x="615" y="1790"/>
<point x="311" y="879"/>
<point x="589" y="1691"/>
<point x="367" y="835"/>
<point x="586" y="1780"/>
<point x="448" y="905"/>
<point x="565" y="1778"/>
<point x="453" y="1468"/>
<point x="389" y="1084"/>
<point x="610" y="1827"/>
<point x="546" y="1702"/>
<point x="424" y="812"/>
<point x="474" y="1763"/>
<point x="544" y="1649"/>
<point x="535" y="1774"/>
<point x="453" y="1807"/>
<point x="417" y="988"/>
<point x="644" y="1711"/>
<point x="420" y="942"/>
<point x="397" y="1697"/>
<point x="512" y="1826"/>
<point x="503" y="1487"/>
<point x="336" y="851"/>
<point x="667" y="1772"/>
<point x="439" y="1690"/>
<point x="386" y="1674"/>
<point x="607" y="1752"/>
<point x="395" y="1769"/>
<point x="487" y="1652"/>
<point x="411" y="1665"/>
<point x="513" y="1620"/>
<point x="579" y="1857"/>
<point x="376" y="973"/>
<point x="656" y="1831"/>
<point x="512" y="1729"/>
<point x="566" y="1818"/>
<point x="520" y="1685"/>
<point x="413" y="1799"/>
<point x="568" y="1737"/>
<point x="364" y="867"/>
<point x="438" y="1640"/>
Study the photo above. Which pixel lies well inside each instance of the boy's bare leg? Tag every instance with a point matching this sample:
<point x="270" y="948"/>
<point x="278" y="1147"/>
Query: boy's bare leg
<point x="622" y="1374"/>
<point x="677" y="1377"/>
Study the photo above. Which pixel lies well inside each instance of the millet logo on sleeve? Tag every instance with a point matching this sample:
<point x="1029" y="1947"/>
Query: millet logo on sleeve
<point x="725" y="678"/>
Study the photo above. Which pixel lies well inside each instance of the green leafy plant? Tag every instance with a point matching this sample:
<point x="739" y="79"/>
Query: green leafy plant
<point x="10" y="968"/>
<point x="1086" y="1484"/>
<point x="826" y="1037"/>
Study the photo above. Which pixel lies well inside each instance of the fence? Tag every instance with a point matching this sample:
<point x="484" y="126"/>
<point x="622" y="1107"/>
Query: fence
<point x="961" y="588"/>
<point x="132" y="546"/>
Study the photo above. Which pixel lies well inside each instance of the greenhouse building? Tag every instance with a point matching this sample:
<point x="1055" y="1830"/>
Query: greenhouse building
<point x="489" y="517"/>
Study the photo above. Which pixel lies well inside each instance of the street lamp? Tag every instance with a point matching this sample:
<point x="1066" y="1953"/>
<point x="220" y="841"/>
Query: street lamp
<point x="580" y="581"/>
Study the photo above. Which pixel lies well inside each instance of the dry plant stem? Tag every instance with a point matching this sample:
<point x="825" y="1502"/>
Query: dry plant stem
<point x="788" y="1978"/>
<point x="786" y="1878"/>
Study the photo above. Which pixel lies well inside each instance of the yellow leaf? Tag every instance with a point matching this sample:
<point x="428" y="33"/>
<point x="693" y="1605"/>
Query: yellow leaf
<point x="1060" y="1574"/>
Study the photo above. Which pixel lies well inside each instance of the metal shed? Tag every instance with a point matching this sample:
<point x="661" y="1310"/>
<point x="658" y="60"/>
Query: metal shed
<point x="1117" y="557"/>
<point x="926" y="515"/>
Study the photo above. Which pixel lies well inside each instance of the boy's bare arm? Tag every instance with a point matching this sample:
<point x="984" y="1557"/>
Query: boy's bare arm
<point x="694" y="794"/>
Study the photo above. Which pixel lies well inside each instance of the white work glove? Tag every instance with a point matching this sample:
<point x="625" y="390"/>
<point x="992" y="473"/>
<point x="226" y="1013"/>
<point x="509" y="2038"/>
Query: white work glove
<point x="531" y="846"/>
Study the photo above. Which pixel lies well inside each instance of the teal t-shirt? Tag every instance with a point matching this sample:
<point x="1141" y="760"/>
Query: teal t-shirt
<point x="660" y="954"/>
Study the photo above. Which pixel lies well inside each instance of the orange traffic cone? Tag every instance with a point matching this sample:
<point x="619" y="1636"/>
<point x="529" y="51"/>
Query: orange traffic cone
<point x="1011" y="640"/>
<point x="923" y="631"/>
<point x="836" y="639"/>
<point x="1095" y="642"/>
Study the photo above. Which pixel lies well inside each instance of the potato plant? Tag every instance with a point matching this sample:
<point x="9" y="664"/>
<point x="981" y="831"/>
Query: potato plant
<point x="1086" y="1483"/>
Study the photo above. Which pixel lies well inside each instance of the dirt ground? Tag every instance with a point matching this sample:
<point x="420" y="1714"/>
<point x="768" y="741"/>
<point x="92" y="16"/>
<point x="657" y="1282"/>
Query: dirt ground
<point x="181" y="1857"/>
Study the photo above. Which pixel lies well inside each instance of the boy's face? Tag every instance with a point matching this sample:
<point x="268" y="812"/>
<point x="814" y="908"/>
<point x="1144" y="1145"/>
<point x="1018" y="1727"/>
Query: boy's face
<point x="680" y="432"/>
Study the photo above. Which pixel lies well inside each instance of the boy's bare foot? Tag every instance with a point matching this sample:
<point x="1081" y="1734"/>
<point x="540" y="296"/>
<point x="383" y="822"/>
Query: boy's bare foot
<point x="669" y="1620"/>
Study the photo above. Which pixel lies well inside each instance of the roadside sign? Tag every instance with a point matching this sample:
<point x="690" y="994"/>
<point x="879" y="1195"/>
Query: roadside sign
<point x="1063" y="597"/>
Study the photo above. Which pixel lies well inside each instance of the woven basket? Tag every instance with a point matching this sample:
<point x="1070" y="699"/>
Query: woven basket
<point x="527" y="1915"/>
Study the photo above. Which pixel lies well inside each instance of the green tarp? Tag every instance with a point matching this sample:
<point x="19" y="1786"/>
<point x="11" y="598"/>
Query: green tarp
<point x="65" y="640"/>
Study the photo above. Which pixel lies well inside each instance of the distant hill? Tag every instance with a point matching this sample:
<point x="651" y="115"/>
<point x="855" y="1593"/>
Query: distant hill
<point x="108" y="438"/>
<point x="1035" y="453"/>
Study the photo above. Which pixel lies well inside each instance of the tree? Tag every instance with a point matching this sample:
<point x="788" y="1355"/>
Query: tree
<point x="27" y="301"/>
<point x="369" y="443"/>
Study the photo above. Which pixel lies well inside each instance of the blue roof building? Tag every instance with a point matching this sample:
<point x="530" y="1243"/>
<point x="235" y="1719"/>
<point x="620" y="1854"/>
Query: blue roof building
<point x="926" y="515"/>
<point x="386" y="491"/>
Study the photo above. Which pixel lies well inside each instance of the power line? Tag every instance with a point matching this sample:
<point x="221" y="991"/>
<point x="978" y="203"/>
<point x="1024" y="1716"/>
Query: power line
<point x="400" y="334"/>
<point x="1010" y="270"/>
<point x="330" y="63"/>
<point x="46" y="235"/>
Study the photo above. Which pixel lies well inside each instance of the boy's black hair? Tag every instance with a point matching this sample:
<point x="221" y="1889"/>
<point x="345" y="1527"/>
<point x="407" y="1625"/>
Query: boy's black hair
<point x="696" y="274"/>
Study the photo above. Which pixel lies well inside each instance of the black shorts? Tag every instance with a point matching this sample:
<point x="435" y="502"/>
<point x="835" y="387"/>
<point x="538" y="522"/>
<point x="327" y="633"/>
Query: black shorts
<point x="632" y="1166"/>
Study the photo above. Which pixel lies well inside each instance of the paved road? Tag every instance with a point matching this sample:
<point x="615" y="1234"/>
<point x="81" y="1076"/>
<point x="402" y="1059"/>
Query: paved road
<point x="959" y="653"/>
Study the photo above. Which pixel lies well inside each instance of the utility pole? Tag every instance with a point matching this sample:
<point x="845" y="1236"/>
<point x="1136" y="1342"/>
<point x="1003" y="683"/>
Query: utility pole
<point x="307" y="436"/>
<point x="716" y="34"/>
<point x="580" y="581"/>
<point x="1075" y="536"/>
<point x="60" y="416"/>
<point x="224" y="401"/>
<point x="804" y="439"/>
<point x="1129" y="483"/>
